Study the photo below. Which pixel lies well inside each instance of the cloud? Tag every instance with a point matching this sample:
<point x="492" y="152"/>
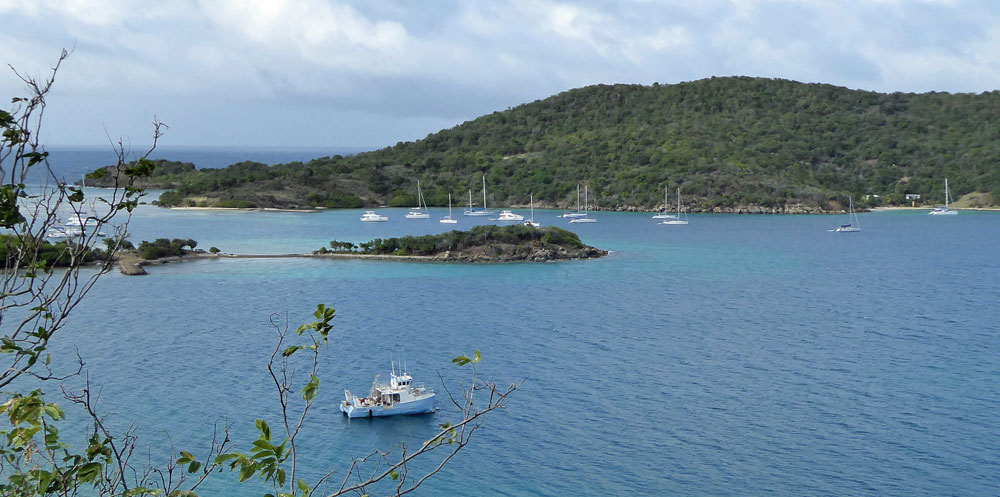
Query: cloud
<point x="412" y="63"/>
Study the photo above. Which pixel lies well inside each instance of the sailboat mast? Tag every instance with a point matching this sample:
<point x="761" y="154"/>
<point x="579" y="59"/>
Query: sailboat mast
<point x="578" y="197"/>
<point x="484" y="193"/>
<point x="678" y="202"/>
<point x="946" y="193"/>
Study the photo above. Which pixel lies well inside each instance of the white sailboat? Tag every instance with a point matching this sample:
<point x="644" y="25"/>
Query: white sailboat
<point x="531" y="222"/>
<point x="677" y="219"/>
<point x="943" y="211"/>
<point x="853" y="225"/>
<point x="666" y="206"/>
<point x="448" y="219"/>
<point x="577" y="212"/>
<point x="583" y="218"/>
<point x="472" y="211"/>
<point x="420" y="211"/>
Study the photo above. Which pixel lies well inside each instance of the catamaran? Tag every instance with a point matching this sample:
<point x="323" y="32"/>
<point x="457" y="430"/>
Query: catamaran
<point x="666" y="206"/>
<point x="853" y="225"/>
<point x="420" y="211"/>
<point x="397" y="397"/>
<point x="939" y="211"/>
<point x="583" y="217"/>
<point x="677" y="219"/>
<point x="472" y="211"/>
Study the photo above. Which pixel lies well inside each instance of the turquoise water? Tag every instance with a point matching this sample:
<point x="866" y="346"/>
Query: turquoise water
<point x="738" y="355"/>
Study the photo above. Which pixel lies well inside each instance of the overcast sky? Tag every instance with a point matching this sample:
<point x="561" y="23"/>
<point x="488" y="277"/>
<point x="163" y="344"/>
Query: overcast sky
<point x="284" y="73"/>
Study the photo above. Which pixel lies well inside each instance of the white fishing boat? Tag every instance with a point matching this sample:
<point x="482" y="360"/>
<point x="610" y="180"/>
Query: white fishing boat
<point x="448" y="219"/>
<point x="853" y="225"/>
<point x="420" y="211"/>
<point x="578" y="212"/>
<point x="582" y="218"/>
<point x="508" y="215"/>
<point x="531" y="222"/>
<point x="372" y="217"/>
<point x="399" y="396"/>
<point x="677" y="219"/>
<point x="665" y="214"/>
<point x="944" y="211"/>
<point x="472" y="211"/>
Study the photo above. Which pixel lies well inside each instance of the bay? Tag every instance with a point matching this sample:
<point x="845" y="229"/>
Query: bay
<point x="737" y="355"/>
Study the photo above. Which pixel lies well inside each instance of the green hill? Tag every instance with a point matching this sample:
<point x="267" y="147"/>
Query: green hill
<point x="728" y="143"/>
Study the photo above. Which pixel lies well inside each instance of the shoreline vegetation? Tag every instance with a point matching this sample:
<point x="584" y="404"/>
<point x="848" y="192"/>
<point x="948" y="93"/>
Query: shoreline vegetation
<point x="731" y="144"/>
<point x="481" y="244"/>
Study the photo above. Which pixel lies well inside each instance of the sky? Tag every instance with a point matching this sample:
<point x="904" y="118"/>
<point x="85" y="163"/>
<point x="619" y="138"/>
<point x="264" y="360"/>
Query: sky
<point x="326" y="73"/>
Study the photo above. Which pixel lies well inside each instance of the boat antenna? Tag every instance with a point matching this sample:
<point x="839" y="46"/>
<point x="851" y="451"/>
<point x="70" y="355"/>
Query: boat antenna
<point x="392" y="365"/>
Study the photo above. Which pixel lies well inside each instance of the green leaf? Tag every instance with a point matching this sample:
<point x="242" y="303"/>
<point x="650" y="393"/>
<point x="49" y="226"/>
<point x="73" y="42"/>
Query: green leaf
<point x="194" y="467"/>
<point x="309" y="392"/>
<point x="265" y="430"/>
<point x="476" y="356"/>
<point x="76" y="194"/>
<point x="394" y="475"/>
<point x="291" y="350"/>
<point x="89" y="472"/>
<point x="222" y="458"/>
<point x="303" y="486"/>
<point x="461" y="360"/>
<point x="246" y="472"/>
<point x="54" y="412"/>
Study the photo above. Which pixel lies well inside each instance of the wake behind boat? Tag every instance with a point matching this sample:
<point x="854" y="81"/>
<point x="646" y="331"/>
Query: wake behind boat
<point x="397" y="397"/>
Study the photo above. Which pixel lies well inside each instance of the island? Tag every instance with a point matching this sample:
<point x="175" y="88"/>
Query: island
<point x="731" y="144"/>
<point x="481" y="244"/>
<point x="516" y="243"/>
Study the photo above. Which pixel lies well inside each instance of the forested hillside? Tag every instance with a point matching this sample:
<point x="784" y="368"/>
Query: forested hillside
<point x="728" y="143"/>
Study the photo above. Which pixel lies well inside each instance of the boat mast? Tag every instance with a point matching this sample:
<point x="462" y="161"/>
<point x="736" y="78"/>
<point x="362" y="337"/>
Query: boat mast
<point x="484" y="193"/>
<point x="578" y="197"/>
<point x="678" y="202"/>
<point x="946" y="194"/>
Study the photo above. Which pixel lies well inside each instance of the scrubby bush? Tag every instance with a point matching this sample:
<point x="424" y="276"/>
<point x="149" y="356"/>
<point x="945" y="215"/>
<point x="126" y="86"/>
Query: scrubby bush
<point x="163" y="247"/>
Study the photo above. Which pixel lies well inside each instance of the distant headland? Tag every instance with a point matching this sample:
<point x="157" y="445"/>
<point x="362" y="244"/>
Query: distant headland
<point x="732" y="145"/>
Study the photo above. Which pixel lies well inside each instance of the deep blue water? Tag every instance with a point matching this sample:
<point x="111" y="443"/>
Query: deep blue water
<point x="738" y="355"/>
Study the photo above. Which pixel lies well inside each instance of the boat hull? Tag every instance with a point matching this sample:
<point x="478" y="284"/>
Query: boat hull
<point x="422" y="405"/>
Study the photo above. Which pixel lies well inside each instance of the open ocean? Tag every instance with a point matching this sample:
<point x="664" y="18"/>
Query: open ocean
<point x="737" y="355"/>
